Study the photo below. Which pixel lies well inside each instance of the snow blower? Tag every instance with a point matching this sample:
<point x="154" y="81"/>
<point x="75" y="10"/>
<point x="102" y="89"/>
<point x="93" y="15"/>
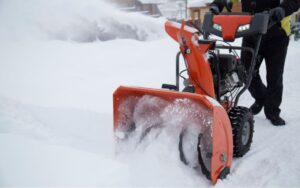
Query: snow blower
<point x="213" y="128"/>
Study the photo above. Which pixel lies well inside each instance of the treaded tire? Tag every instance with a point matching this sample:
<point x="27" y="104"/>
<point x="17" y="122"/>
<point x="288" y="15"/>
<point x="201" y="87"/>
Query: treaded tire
<point x="183" y="158"/>
<point x="242" y="124"/>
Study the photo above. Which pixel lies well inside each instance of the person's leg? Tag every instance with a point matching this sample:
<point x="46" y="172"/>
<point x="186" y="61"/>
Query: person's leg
<point x="275" y="60"/>
<point x="257" y="88"/>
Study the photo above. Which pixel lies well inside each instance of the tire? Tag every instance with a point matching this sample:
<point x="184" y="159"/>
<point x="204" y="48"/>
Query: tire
<point x="202" y="159"/>
<point x="187" y="147"/>
<point x="242" y="124"/>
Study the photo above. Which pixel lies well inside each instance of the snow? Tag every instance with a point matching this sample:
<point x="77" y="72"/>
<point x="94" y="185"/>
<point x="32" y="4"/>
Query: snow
<point x="213" y="101"/>
<point x="198" y="3"/>
<point x="28" y="162"/>
<point x="82" y="21"/>
<point x="156" y="119"/>
<point x="153" y="1"/>
<point x="56" y="103"/>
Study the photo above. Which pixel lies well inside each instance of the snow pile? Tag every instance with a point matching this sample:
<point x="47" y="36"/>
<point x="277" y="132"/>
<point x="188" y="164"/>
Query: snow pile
<point x="28" y="162"/>
<point x="44" y="146"/>
<point x="75" y="20"/>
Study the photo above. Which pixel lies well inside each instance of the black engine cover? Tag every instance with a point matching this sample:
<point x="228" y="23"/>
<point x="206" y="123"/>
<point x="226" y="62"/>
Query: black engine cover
<point x="227" y="63"/>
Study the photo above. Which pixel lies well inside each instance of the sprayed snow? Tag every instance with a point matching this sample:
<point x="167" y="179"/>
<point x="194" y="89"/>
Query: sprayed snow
<point x="74" y="20"/>
<point x="155" y="119"/>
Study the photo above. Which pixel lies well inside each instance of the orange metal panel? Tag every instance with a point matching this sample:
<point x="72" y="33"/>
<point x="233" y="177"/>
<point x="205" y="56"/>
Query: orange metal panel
<point x="123" y="92"/>
<point x="222" y="143"/>
<point x="194" y="54"/>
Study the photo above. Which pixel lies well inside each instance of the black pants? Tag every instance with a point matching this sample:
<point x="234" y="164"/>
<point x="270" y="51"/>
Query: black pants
<point x="273" y="50"/>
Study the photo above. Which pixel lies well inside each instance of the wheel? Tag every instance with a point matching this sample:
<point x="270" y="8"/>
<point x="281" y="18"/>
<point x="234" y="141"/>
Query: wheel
<point x="195" y="149"/>
<point x="242" y="124"/>
<point x="187" y="147"/>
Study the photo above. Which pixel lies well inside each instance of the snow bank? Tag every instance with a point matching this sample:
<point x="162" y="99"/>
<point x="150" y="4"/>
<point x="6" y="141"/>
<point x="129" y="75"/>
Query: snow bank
<point x="74" y="20"/>
<point x="67" y="147"/>
<point x="82" y="75"/>
<point x="29" y="162"/>
<point x="70" y="127"/>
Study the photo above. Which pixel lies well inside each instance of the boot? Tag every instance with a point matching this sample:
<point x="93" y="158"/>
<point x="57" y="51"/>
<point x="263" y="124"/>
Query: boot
<point x="276" y="120"/>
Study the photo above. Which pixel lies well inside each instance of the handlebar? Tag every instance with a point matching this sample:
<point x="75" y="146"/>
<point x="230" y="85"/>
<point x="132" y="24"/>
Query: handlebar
<point x="234" y="25"/>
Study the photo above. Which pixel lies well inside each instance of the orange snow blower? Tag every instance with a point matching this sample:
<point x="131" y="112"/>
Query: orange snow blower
<point x="212" y="128"/>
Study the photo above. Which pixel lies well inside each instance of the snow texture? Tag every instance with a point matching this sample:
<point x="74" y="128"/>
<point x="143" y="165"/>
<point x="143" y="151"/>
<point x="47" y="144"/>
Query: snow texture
<point x="56" y="125"/>
<point x="80" y="21"/>
<point x="148" y="119"/>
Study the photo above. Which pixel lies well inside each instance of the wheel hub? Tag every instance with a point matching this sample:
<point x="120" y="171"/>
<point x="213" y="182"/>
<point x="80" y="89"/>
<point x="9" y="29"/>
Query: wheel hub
<point x="246" y="133"/>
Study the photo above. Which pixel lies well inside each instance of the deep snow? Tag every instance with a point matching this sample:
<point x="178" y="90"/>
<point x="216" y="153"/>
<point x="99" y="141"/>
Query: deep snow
<point x="56" y="103"/>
